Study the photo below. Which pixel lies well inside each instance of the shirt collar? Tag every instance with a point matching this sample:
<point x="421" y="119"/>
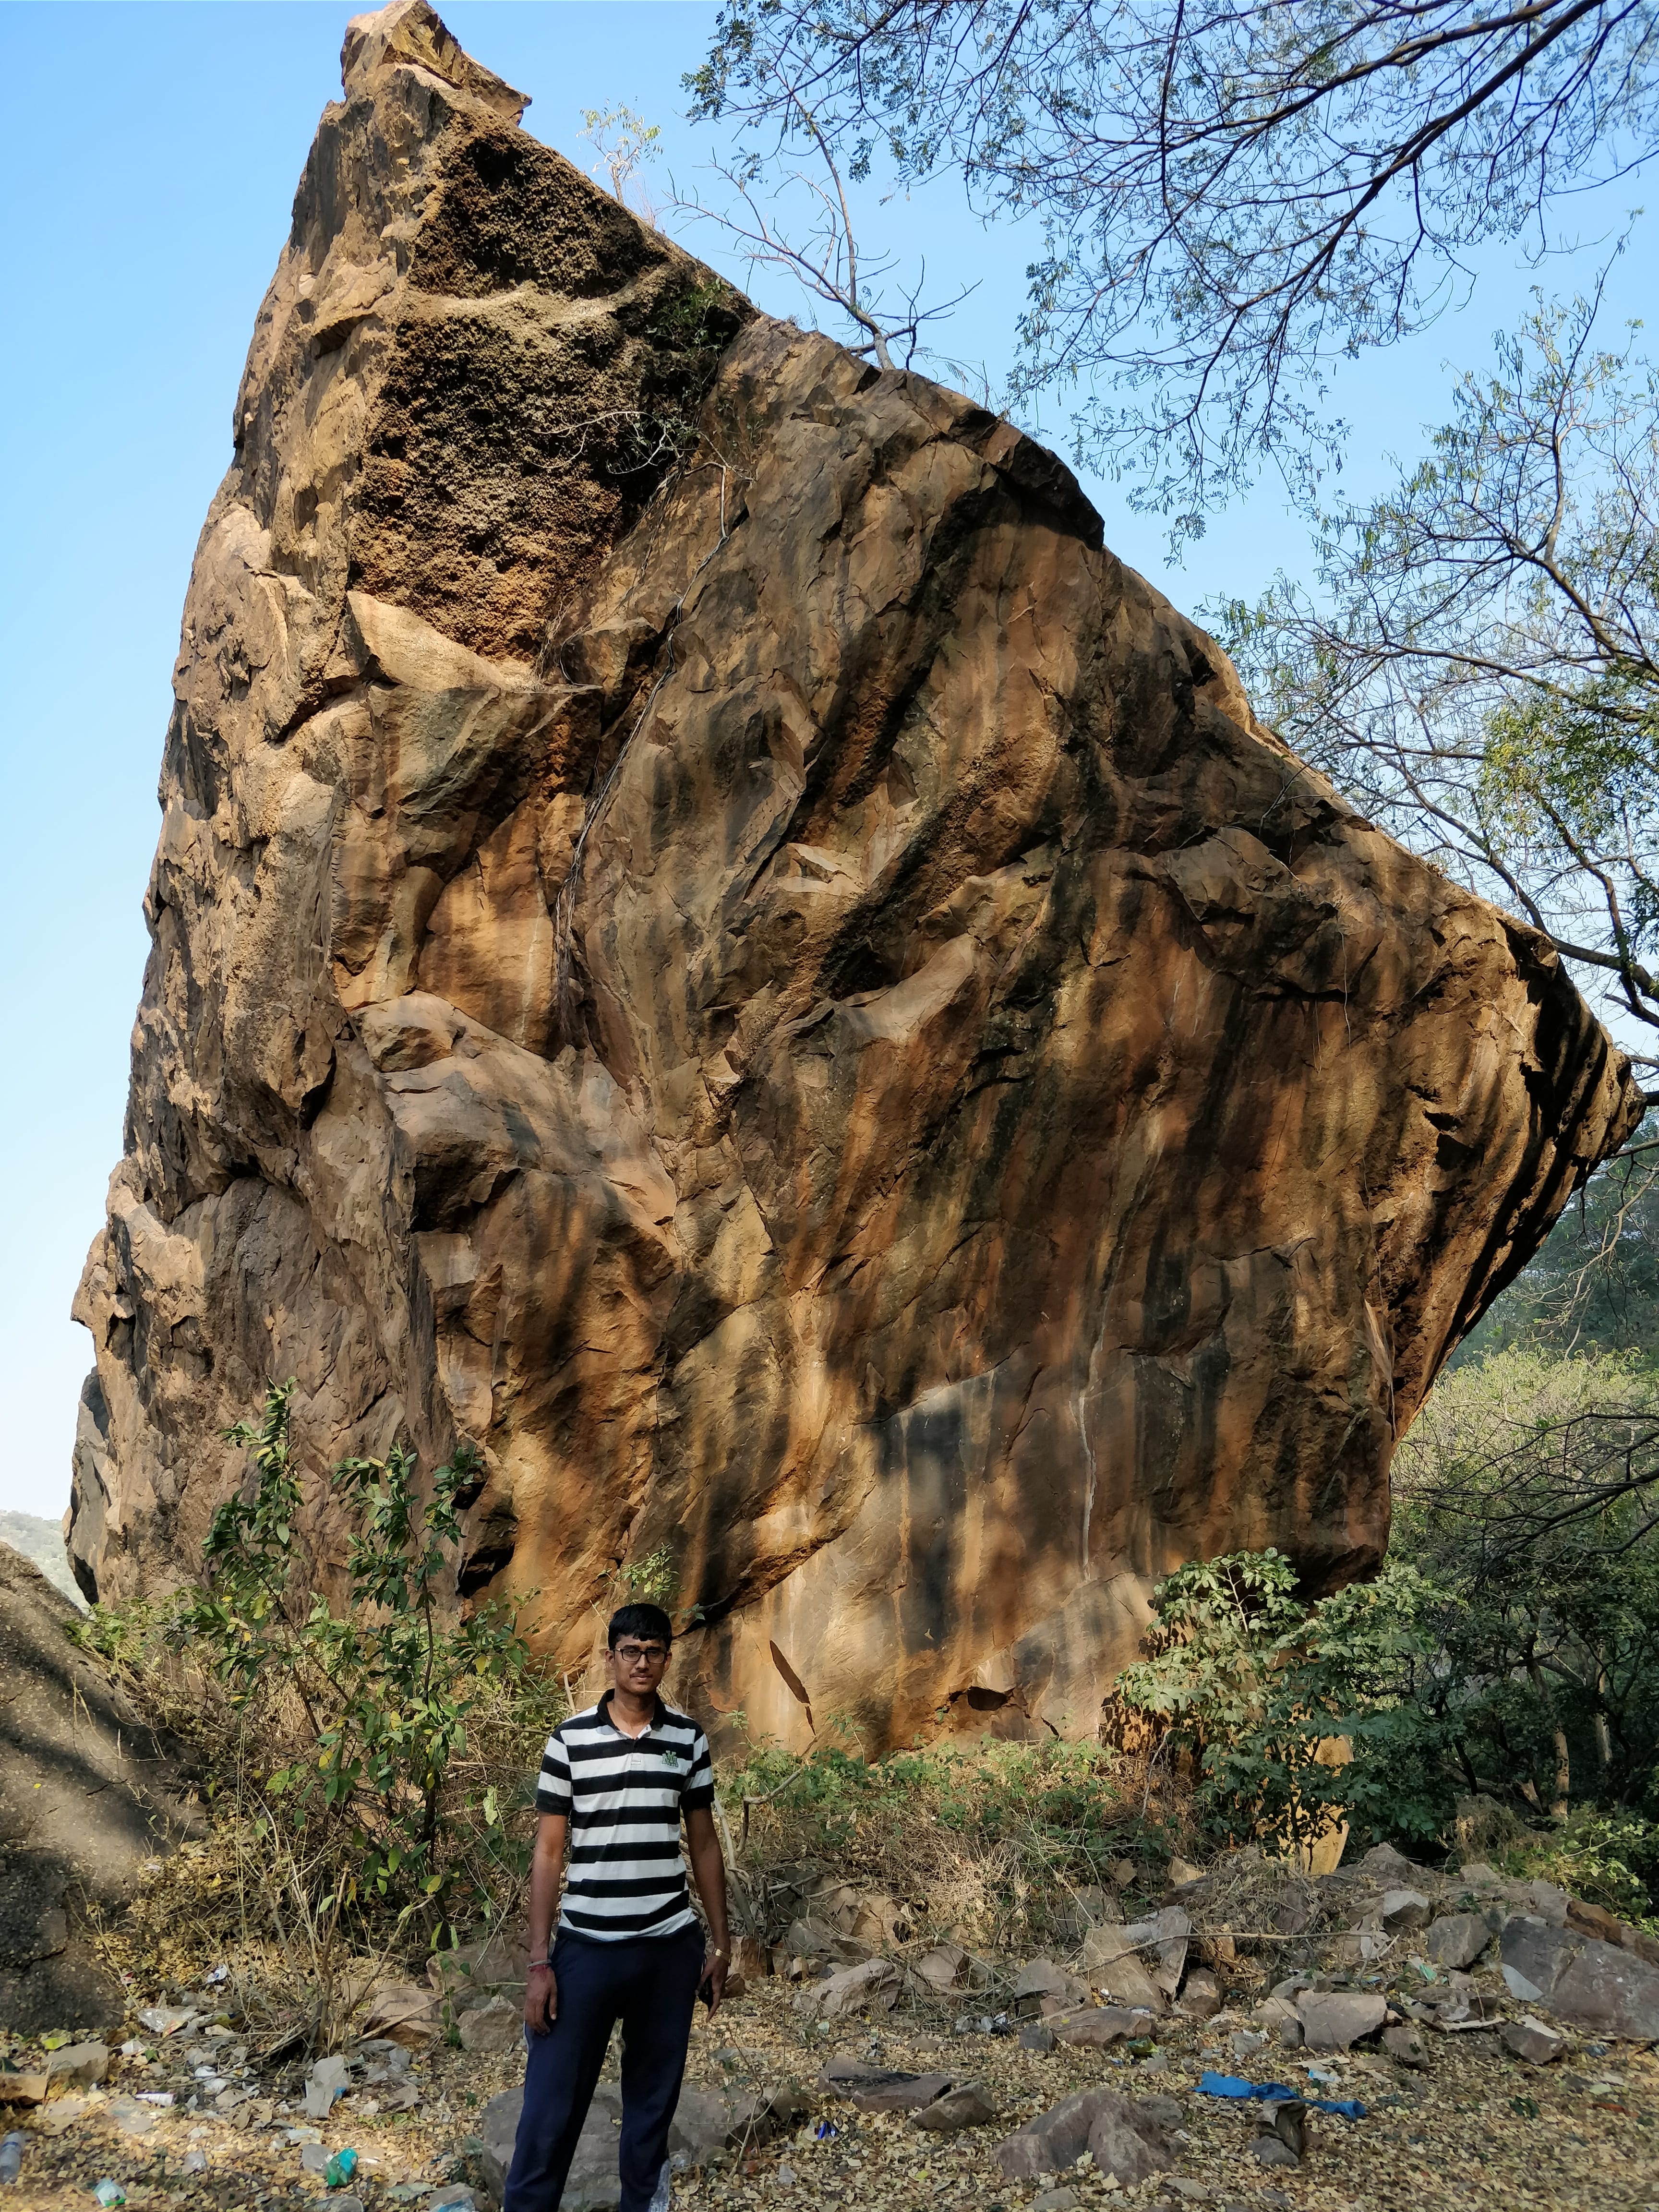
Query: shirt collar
<point x="659" y="1715"/>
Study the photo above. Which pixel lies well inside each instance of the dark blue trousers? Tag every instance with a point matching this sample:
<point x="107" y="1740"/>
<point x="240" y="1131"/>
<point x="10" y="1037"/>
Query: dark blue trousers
<point x="650" y="1984"/>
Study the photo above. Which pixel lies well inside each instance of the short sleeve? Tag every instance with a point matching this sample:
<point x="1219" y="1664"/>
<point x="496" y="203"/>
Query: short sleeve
<point x="553" y="1784"/>
<point x="699" y="1793"/>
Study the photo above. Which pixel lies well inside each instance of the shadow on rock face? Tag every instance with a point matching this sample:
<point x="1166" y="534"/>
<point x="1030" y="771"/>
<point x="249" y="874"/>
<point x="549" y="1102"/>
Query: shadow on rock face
<point x="87" y="1795"/>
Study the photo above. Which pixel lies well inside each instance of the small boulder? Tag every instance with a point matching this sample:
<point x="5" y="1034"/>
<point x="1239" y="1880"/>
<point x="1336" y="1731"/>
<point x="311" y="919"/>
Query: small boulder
<point x="944" y="1968"/>
<point x="1111" y="1961"/>
<point x="76" y="2066"/>
<point x="482" y="1968"/>
<point x="1532" y="2040"/>
<point x="1268" y="2150"/>
<point x="494" y="2026"/>
<point x="1201" y="1995"/>
<point x="1404" y="2043"/>
<point x="1041" y="1978"/>
<point x="403" y="2012"/>
<point x="498" y="2130"/>
<point x="970" y="2106"/>
<point x="1405" y="1909"/>
<point x="1087" y="1907"/>
<point x="854" y="1989"/>
<point x="1097" y="2028"/>
<point x="874" y="2089"/>
<point x="1392" y="1869"/>
<point x="1591" y="1920"/>
<point x="1053" y="2141"/>
<point x="1131" y="2137"/>
<point x="1456" y="1939"/>
<point x="1056" y="2200"/>
<point x="1333" y="2020"/>
<point x="1036" y="2035"/>
<point x="1289" y="2118"/>
<point x="1600" y="1987"/>
<point x="817" y="1939"/>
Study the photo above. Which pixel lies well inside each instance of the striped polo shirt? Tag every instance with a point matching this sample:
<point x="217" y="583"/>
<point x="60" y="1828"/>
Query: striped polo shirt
<point x="624" y="1798"/>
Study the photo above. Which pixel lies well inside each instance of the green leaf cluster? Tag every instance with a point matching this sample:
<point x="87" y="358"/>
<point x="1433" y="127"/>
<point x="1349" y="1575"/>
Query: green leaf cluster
<point x="1293" y="1715"/>
<point x="358" y="1719"/>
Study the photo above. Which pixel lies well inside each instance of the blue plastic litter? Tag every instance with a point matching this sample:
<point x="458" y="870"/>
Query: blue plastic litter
<point x="1270" y="2092"/>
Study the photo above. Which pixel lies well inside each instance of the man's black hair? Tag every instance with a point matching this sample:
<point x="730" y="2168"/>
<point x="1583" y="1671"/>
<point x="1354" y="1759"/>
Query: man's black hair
<point x="642" y="1620"/>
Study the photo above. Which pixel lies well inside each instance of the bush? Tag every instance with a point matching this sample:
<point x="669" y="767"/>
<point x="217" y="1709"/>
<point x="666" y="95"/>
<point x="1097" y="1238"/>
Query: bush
<point x="1294" y="1716"/>
<point x="375" y="1749"/>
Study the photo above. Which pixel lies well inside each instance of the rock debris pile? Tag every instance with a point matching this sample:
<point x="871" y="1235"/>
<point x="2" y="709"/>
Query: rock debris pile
<point x="1365" y="2075"/>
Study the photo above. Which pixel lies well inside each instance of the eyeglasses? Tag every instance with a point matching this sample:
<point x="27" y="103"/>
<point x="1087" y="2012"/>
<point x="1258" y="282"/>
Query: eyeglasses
<point x="641" y="1655"/>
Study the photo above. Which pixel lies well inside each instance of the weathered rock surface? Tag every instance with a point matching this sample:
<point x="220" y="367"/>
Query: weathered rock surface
<point x="708" y="937"/>
<point x="1331" y="2020"/>
<point x="1597" y="1986"/>
<point x="87" y="1794"/>
<point x="705" y="2124"/>
<point x="1129" y="2136"/>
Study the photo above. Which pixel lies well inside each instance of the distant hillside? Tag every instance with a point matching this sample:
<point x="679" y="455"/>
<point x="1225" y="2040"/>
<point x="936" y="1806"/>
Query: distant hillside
<point x="42" y="1542"/>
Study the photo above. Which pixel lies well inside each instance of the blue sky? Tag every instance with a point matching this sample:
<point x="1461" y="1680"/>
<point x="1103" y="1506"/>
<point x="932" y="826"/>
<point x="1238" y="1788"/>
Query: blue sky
<point x="149" y="160"/>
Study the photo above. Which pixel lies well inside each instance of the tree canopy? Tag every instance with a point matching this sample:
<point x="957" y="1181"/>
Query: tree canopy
<point x="1478" y="668"/>
<point x="1232" y="196"/>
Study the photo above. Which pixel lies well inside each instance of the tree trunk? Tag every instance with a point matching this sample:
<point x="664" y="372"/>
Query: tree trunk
<point x="1558" y="1736"/>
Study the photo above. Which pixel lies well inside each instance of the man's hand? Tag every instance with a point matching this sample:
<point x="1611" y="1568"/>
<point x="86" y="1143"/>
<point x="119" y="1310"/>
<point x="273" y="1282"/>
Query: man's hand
<point x="541" y="1999"/>
<point x="713" y="1979"/>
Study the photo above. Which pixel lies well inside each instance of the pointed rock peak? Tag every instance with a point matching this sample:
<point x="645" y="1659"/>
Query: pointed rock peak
<point x="410" y="32"/>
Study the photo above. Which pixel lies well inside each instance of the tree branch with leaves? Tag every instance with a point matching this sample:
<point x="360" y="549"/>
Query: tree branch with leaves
<point x="1478" y="669"/>
<point x="1233" y="197"/>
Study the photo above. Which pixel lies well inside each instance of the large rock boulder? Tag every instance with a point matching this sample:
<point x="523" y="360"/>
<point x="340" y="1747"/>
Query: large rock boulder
<point x="1599" y="1987"/>
<point x="87" y="1794"/>
<point x="709" y="937"/>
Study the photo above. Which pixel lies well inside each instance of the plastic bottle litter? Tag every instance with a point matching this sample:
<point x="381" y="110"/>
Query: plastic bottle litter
<point x="195" y="2161"/>
<point x="340" y="2168"/>
<point x="11" y="2157"/>
<point x="109" y="2193"/>
<point x="660" y="2194"/>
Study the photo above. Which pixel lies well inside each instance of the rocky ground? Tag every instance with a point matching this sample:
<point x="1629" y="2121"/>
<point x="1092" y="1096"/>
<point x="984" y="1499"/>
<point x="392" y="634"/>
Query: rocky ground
<point x="1453" y="2116"/>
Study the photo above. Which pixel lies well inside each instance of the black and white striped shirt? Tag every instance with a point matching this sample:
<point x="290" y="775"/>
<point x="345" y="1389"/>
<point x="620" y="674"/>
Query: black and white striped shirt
<point x="624" y="1798"/>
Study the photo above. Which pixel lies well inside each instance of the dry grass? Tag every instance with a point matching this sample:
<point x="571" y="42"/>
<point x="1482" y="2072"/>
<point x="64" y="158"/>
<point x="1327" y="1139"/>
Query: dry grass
<point x="990" y="1843"/>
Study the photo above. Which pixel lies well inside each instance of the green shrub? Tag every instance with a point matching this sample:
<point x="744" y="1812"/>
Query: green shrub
<point x="1252" y="1683"/>
<point x="381" y="1745"/>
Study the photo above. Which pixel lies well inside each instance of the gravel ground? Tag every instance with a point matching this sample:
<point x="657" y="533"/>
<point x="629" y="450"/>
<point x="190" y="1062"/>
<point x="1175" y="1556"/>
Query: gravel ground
<point x="1479" y="2129"/>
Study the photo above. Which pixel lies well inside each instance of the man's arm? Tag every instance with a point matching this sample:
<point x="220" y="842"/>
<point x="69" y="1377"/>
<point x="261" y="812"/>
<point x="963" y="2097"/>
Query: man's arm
<point x="708" y="1872"/>
<point x="541" y="1997"/>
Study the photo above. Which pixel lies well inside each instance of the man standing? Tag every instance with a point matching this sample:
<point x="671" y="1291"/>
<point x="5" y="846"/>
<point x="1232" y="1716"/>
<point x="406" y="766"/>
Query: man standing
<point x="615" y="1781"/>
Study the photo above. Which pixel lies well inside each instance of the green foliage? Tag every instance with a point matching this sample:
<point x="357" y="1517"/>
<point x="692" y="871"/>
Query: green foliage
<point x="1230" y="199"/>
<point x="1256" y="1684"/>
<point x="623" y="141"/>
<point x="1524" y="1491"/>
<point x="688" y="333"/>
<point x="1478" y="670"/>
<point x="1593" y="1285"/>
<point x="357" y="1723"/>
<point x="1609" y="1859"/>
<point x="653" y="1580"/>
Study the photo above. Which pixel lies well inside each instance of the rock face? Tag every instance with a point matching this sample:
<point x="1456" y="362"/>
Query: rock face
<point x="708" y="937"/>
